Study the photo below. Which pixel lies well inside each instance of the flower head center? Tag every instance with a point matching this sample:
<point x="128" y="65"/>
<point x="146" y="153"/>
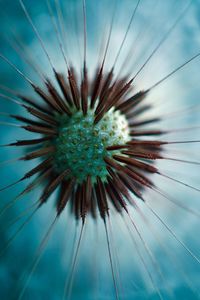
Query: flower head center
<point x="81" y="145"/>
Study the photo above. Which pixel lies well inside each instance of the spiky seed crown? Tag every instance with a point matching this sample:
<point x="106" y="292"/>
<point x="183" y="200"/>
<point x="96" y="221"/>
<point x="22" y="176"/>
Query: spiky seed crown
<point x="89" y="146"/>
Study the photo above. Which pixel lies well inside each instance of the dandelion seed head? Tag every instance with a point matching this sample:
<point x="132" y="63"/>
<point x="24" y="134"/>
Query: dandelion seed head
<point x="81" y="144"/>
<point x="99" y="187"/>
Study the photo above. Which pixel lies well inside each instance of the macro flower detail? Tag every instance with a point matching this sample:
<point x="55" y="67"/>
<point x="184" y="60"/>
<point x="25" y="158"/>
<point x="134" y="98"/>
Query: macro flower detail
<point x="103" y="148"/>
<point x="87" y="139"/>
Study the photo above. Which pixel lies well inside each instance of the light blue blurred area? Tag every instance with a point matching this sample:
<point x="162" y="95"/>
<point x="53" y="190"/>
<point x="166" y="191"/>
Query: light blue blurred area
<point x="92" y="278"/>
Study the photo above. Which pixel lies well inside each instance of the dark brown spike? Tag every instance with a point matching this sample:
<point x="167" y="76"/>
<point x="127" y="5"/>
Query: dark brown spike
<point x="53" y="185"/>
<point x="64" y="88"/>
<point x="72" y="201"/>
<point x="83" y="203"/>
<point x="144" y="122"/>
<point x="96" y="86"/>
<point x="77" y="201"/>
<point x="110" y="162"/>
<point x="120" y="185"/>
<point x="28" y="121"/>
<point x="140" y="174"/>
<point x="39" y="153"/>
<point x="136" y="176"/>
<point x="34" y="104"/>
<point x="130" y="185"/>
<point x="47" y="99"/>
<point x="74" y="88"/>
<point x="145" y="155"/>
<point x="117" y="86"/>
<point x="117" y="194"/>
<point x="147" y="132"/>
<point x="84" y="91"/>
<point x="113" y="99"/>
<point x="116" y="147"/>
<point x="111" y="173"/>
<point x="145" y="148"/>
<point x="43" y="165"/>
<point x="88" y="192"/>
<point x="47" y="173"/>
<point x="40" y="115"/>
<point x="103" y="101"/>
<point x="39" y="168"/>
<point x="111" y="93"/>
<point x="101" y="198"/>
<point x="30" y="142"/>
<point x="40" y="129"/>
<point x="93" y="205"/>
<point x="67" y="188"/>
<point x="105" y="87"/>
<point x="60" y="102"/>
<point x="132" y="101"/>
<point x="147" y="143"/>
<point x="22" y="119"/>
<point x="113" y="198"/>
<point x="136" y="163"/>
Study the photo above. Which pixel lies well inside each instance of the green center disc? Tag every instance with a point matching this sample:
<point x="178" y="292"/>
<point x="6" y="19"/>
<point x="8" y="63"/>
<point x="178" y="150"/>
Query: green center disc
<point x="81" y="144"/>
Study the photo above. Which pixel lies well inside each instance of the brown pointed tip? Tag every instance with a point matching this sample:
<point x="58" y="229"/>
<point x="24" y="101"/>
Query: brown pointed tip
<point x="29" y="142"/>
<point x="74" y="89"/>
<point x="146" y="143"/>
<point x="66" y="191"/>
<point x="147" y="132"/>
<point x="116" y="147"/>
<point x="84" y="91"/>
<point x="39" y="153"/>
<point x="101" y="198"/>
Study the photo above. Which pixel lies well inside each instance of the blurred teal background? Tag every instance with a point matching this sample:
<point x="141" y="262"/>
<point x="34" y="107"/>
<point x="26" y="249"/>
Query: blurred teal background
<point x="92" y="279"/>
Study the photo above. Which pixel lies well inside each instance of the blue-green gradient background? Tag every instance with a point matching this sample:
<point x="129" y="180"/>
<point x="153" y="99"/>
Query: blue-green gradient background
<point x="92" y="278"/>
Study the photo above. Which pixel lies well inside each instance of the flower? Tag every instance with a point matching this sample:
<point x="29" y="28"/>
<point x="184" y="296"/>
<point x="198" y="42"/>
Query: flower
<point x="99" y="145"/>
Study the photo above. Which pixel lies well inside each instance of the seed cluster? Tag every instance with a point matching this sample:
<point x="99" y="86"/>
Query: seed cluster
<point x="81" y="145"/>
<point x="92" y="144"/>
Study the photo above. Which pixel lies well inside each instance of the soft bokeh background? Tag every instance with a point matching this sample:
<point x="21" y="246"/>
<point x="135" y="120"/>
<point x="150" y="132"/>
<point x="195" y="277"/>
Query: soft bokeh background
<point x="92" y="278"/>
